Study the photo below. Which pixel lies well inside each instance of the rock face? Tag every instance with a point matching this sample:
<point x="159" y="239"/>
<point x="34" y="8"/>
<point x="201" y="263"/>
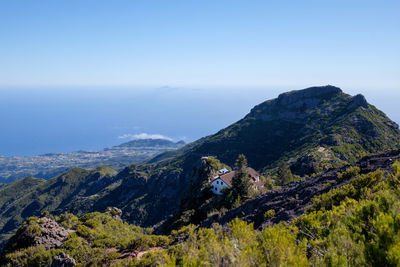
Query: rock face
<point x="114" y="213"/>
<point x="293" y="199"/>
<point x="62" y="260"/>
<point x="292" y="105"/>
<point x="44" y="231"/>
<point x="358" y="101"/>
<point x="52" y="234"/>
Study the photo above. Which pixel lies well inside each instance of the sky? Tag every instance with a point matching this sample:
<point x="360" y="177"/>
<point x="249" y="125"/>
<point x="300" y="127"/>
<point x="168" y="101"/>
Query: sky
<point x="200" y="43"/>
<point x="95" y="73"/>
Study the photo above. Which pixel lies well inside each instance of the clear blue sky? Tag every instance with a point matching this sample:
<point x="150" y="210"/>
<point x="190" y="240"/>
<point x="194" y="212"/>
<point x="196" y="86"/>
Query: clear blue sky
<point x="200" y="43"/>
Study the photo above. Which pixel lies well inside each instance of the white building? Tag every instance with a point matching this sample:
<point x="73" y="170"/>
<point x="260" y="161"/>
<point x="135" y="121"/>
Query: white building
<point x="225" y="180"/>
<point x="221" y="182"/>
<point x="223" y="171"/>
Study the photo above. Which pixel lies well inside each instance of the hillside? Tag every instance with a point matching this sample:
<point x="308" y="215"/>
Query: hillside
<point x="293" y="199"/>
<point x="49" y="165"/>
<point x="30" y="196"/>
<point x="353" y="223"/>
<point x="313" y="130"/>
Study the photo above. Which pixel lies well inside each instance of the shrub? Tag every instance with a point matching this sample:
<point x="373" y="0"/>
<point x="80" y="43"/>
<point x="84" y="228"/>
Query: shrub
<point x="349" y="173"/>
<point x="269" y="214"/>
<point x="31" y="256"/>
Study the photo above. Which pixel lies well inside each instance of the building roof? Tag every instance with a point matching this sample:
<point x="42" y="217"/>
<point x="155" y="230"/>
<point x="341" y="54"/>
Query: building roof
<point x="227" y="177"/>
<point x="253" y="173"/>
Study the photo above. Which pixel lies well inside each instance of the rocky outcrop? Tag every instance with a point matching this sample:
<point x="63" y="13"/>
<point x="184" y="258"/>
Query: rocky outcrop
<point x="42" y="231"/>
<point x="358" y="101"/>
<point x="114" y="213"/>
<point x="291" y="106"/>
<point x="52" y="234"/>
<point x="307" y="96"/>
<point x="293" y="199"/>
<point x="62" y="260"/>
<point x="313" y="162"/>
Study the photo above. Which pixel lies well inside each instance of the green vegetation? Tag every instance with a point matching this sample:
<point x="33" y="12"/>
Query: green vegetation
<point x="284" y="175"/>
<point x="201" y="203"/>
<point x="215" y="164"/>
<point x="350" y="172"/>
<point x="269" y="214"/>
<point x="344" y="227"/>
<point x="97" y="239"/>
<point x="313" y="132"/>
<point x="313" y="129"/>
<point x="241" y="185"/>
<point x="358" y="228"/>
<point x="30" y="196"/>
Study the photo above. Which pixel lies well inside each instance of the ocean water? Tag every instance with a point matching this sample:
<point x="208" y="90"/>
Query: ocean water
<point x="42" y="120"/>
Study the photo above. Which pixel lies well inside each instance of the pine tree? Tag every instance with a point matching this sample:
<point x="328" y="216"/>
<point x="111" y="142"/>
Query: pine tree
<point x="284" y="175"/>
<point x="241" y="184"/>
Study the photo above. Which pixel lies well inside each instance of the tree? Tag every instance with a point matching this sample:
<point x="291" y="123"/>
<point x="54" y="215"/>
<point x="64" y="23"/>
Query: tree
<point x="241" y="184"/>
<point x="284" y="175"/>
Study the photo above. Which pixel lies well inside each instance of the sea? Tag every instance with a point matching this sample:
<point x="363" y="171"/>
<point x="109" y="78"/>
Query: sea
<point x="40" y="120"/>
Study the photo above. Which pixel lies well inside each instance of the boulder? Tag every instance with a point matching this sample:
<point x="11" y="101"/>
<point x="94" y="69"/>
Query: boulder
<point x="62" y="260"/>
<point x="114" y="212"/>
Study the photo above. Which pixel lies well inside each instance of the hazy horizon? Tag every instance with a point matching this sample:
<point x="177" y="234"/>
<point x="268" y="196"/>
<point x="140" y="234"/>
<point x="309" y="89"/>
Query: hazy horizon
<point x="71" y="119"/>
<point x="79" y="74"/>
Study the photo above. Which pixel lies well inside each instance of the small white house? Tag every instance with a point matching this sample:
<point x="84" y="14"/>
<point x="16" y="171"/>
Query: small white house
<point x="224" y="180"/>
<point x="221" y="182"/>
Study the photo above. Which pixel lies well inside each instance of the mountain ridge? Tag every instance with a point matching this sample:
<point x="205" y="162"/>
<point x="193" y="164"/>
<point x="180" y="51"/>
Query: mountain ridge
<point x="337" y="130"/>
<point x="277" y="113"/>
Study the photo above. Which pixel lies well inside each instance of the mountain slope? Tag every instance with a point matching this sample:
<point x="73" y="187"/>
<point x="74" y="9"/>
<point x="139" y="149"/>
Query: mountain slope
<point x="293" y="199"/>
<point x="30" y="196"/>
<point x="355" y="224"/>
<point x="312" y="129"/>
<point x="297" y="125"/>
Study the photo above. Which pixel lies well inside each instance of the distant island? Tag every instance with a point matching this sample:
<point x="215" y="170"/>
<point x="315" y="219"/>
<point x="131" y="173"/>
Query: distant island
<point x="49" y="165"/>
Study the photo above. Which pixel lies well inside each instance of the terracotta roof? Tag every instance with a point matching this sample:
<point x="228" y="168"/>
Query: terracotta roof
<point x="227" y="178"/>
<point x="252" y="172"/>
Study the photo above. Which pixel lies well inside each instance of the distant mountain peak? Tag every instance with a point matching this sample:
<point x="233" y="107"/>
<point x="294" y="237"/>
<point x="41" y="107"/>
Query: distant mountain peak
<point x="311" y="92"/>
<point x="152" y="142"/>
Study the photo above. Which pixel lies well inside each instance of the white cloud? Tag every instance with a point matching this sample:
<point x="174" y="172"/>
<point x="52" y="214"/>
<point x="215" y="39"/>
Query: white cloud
<point x="144" y="136"/>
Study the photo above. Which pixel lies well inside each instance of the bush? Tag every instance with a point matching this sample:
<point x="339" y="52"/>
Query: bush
<point x="349" y="173"/>
<point x="269" y="214"/>
<point x="31" y="256"/>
